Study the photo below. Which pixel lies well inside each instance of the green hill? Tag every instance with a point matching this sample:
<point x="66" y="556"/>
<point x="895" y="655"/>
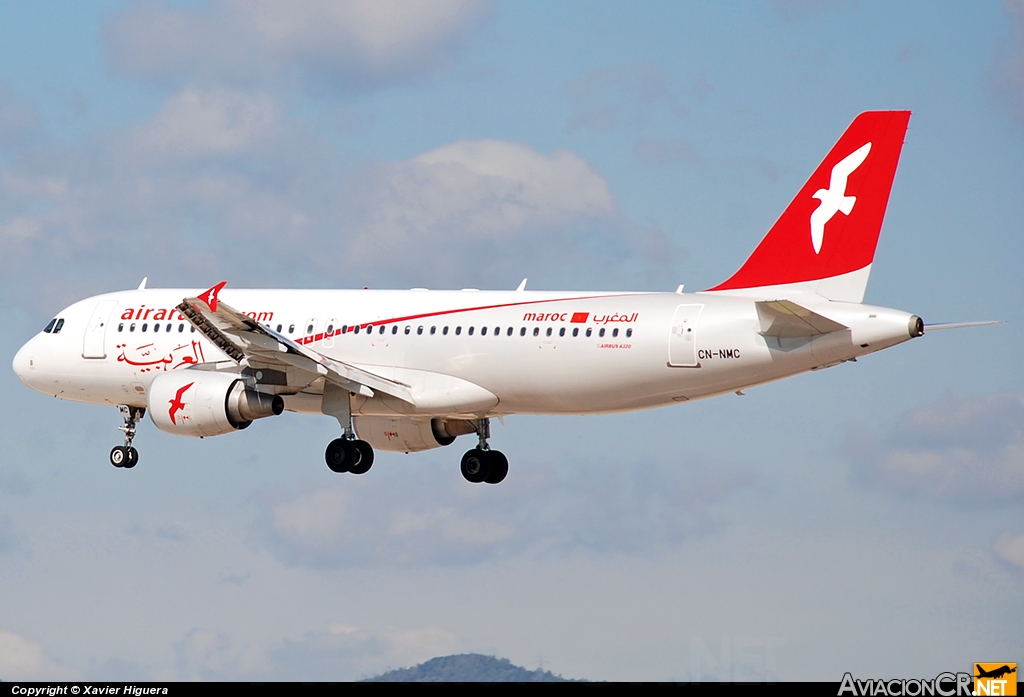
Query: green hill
<point x="467" y="667"/>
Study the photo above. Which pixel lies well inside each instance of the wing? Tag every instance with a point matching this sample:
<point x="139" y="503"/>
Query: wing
<point x="243" y="338"/>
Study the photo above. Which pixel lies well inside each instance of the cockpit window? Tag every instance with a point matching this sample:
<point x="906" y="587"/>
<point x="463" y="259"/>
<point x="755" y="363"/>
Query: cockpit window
<point x="49" y="327"/>
<point x="58" y="326"/>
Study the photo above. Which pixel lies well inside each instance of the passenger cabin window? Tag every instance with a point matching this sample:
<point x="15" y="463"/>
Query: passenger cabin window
<point x="49" y="327"/>
<point x="356" y="329"/>
<point x="394" y="328"/>
<point x="330" y="329"/>
<point x="131" y="327"/>
<point x="120" y="327"/>
<point x="156" y="327"/>
<point x="445" y="331"/>
<point x="548" y="332"/>
<point x="145" y="326"/>
<point x="589" y="331"/>
<point x="509" y="331"/>
<point x="561" y="332"/>
<point x="536" y="331"/>
<point x="408" y="329"/>
<point x="522" y="331"/>
<point x="483" y="331"/>
<point x="419" y="330"/>
<point x="601" y="333"/>
<point x="470" y="332"/>
<point x="458" y="330"/>
<point x="309" y="329"/>
<point x="278" y="330"/>
<point x="291" y="328"/>
<point x="433" y="330"/>
<point x="181" y="328"/>
<point x="615" y="332"/>
<point x="629" y="332"/>
<point x="575" y="331"/>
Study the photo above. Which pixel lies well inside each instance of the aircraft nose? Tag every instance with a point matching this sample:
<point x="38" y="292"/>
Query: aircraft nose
<point x="24" y="363"/>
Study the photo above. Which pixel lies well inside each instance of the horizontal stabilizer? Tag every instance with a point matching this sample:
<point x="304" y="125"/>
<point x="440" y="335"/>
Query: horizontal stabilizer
<point x="786" y="319"/>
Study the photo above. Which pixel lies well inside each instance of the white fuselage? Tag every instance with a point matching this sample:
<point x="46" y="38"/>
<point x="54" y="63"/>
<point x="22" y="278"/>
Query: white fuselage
<point x="535" y="352"/>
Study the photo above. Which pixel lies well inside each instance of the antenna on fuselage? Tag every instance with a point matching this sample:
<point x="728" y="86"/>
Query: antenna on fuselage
<point x="142" y="286"/>
<point x="522" y="286"/>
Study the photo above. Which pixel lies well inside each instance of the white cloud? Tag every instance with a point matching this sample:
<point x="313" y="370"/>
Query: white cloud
<point x="621" y="510"/>
<point x="195" y="123"/>
<point x="1008" y="72"/>
<point x="966" y="451"/>
<point x="338" y="651"/>
<point x="18" y="120"/>
<point x="23" y="659"/>
<point x="347" y="43"/>
<point x="1011" y="549"/>
<point x="476" y="191"/>
<point x="219" y="182"/>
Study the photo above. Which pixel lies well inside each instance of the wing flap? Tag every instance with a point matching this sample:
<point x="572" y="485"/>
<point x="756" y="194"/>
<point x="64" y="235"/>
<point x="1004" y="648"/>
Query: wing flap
<point x="240" y="336"/>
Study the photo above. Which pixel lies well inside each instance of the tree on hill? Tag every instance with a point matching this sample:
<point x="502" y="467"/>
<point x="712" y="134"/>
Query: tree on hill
<point x="467" y="667"/>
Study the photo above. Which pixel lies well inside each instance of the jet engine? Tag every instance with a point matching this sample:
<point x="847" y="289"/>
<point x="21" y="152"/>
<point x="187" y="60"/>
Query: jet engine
<point x="408" y="435"/>
<point x="201" y="403"/>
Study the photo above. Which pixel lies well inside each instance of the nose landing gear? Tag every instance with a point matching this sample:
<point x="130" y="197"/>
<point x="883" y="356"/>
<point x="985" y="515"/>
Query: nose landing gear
<point x="125" y="455"/>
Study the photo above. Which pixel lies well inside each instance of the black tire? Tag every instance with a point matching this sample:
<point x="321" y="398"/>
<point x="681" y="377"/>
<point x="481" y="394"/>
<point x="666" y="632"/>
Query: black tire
<point x="340" y="455"/>
<point x="119" y="456"/>
<point x="133" y="458"/>
<point x="365" y="457"/>
<point x="476" y="465"/>
<point x="499" y="467"/>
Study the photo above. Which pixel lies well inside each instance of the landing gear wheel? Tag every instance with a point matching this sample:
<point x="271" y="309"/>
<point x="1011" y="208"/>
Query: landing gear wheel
<point x="341" y="455"/>
<point x="133" y="458"/>
<point x="499" y="467"/>
<point x="365" y="458"/>
<point x="119" y="456"/>
<point x="476" y="465"/>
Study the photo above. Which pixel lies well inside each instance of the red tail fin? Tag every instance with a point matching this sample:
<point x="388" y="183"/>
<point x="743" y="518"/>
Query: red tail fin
<point x="831" y="227"/>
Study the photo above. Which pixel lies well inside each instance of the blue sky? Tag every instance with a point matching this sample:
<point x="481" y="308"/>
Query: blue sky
<point x="864" y="518"/>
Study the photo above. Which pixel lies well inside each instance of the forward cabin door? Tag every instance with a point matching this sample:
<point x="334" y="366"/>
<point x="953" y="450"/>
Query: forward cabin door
<point x="682" y="340"/>
<point x="96" y="331"/>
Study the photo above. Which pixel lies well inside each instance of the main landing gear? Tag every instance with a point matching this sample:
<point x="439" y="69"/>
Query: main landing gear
<point x="125" y="455"/>
<point x="481" y="464"/>
<point x="345" y="454"/>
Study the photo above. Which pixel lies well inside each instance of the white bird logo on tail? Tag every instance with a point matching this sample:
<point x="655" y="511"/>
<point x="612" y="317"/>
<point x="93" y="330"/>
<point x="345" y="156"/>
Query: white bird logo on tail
<point x="834" y="198"/>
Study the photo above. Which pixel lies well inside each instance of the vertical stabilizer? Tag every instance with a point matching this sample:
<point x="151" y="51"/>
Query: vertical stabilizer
<point x="825" y="240"/>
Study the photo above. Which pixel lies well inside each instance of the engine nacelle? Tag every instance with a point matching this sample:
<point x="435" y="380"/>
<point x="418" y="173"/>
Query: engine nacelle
<point x="202" y="403"/>
<point x="408" y="435"/>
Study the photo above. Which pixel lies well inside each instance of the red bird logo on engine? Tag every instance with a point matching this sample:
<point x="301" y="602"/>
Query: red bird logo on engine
<point x="176" y="403"/>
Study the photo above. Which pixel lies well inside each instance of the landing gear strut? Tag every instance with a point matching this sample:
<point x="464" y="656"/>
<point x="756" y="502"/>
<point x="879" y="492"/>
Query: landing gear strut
<point x="125" y="455"/>
<point x="481" y="464"/>
<point x="345" y="454"/>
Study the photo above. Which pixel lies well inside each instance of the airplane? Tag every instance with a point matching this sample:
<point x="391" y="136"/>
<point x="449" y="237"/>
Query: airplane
<point x="995" y="673"/>
<point x="411" y="370"/>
